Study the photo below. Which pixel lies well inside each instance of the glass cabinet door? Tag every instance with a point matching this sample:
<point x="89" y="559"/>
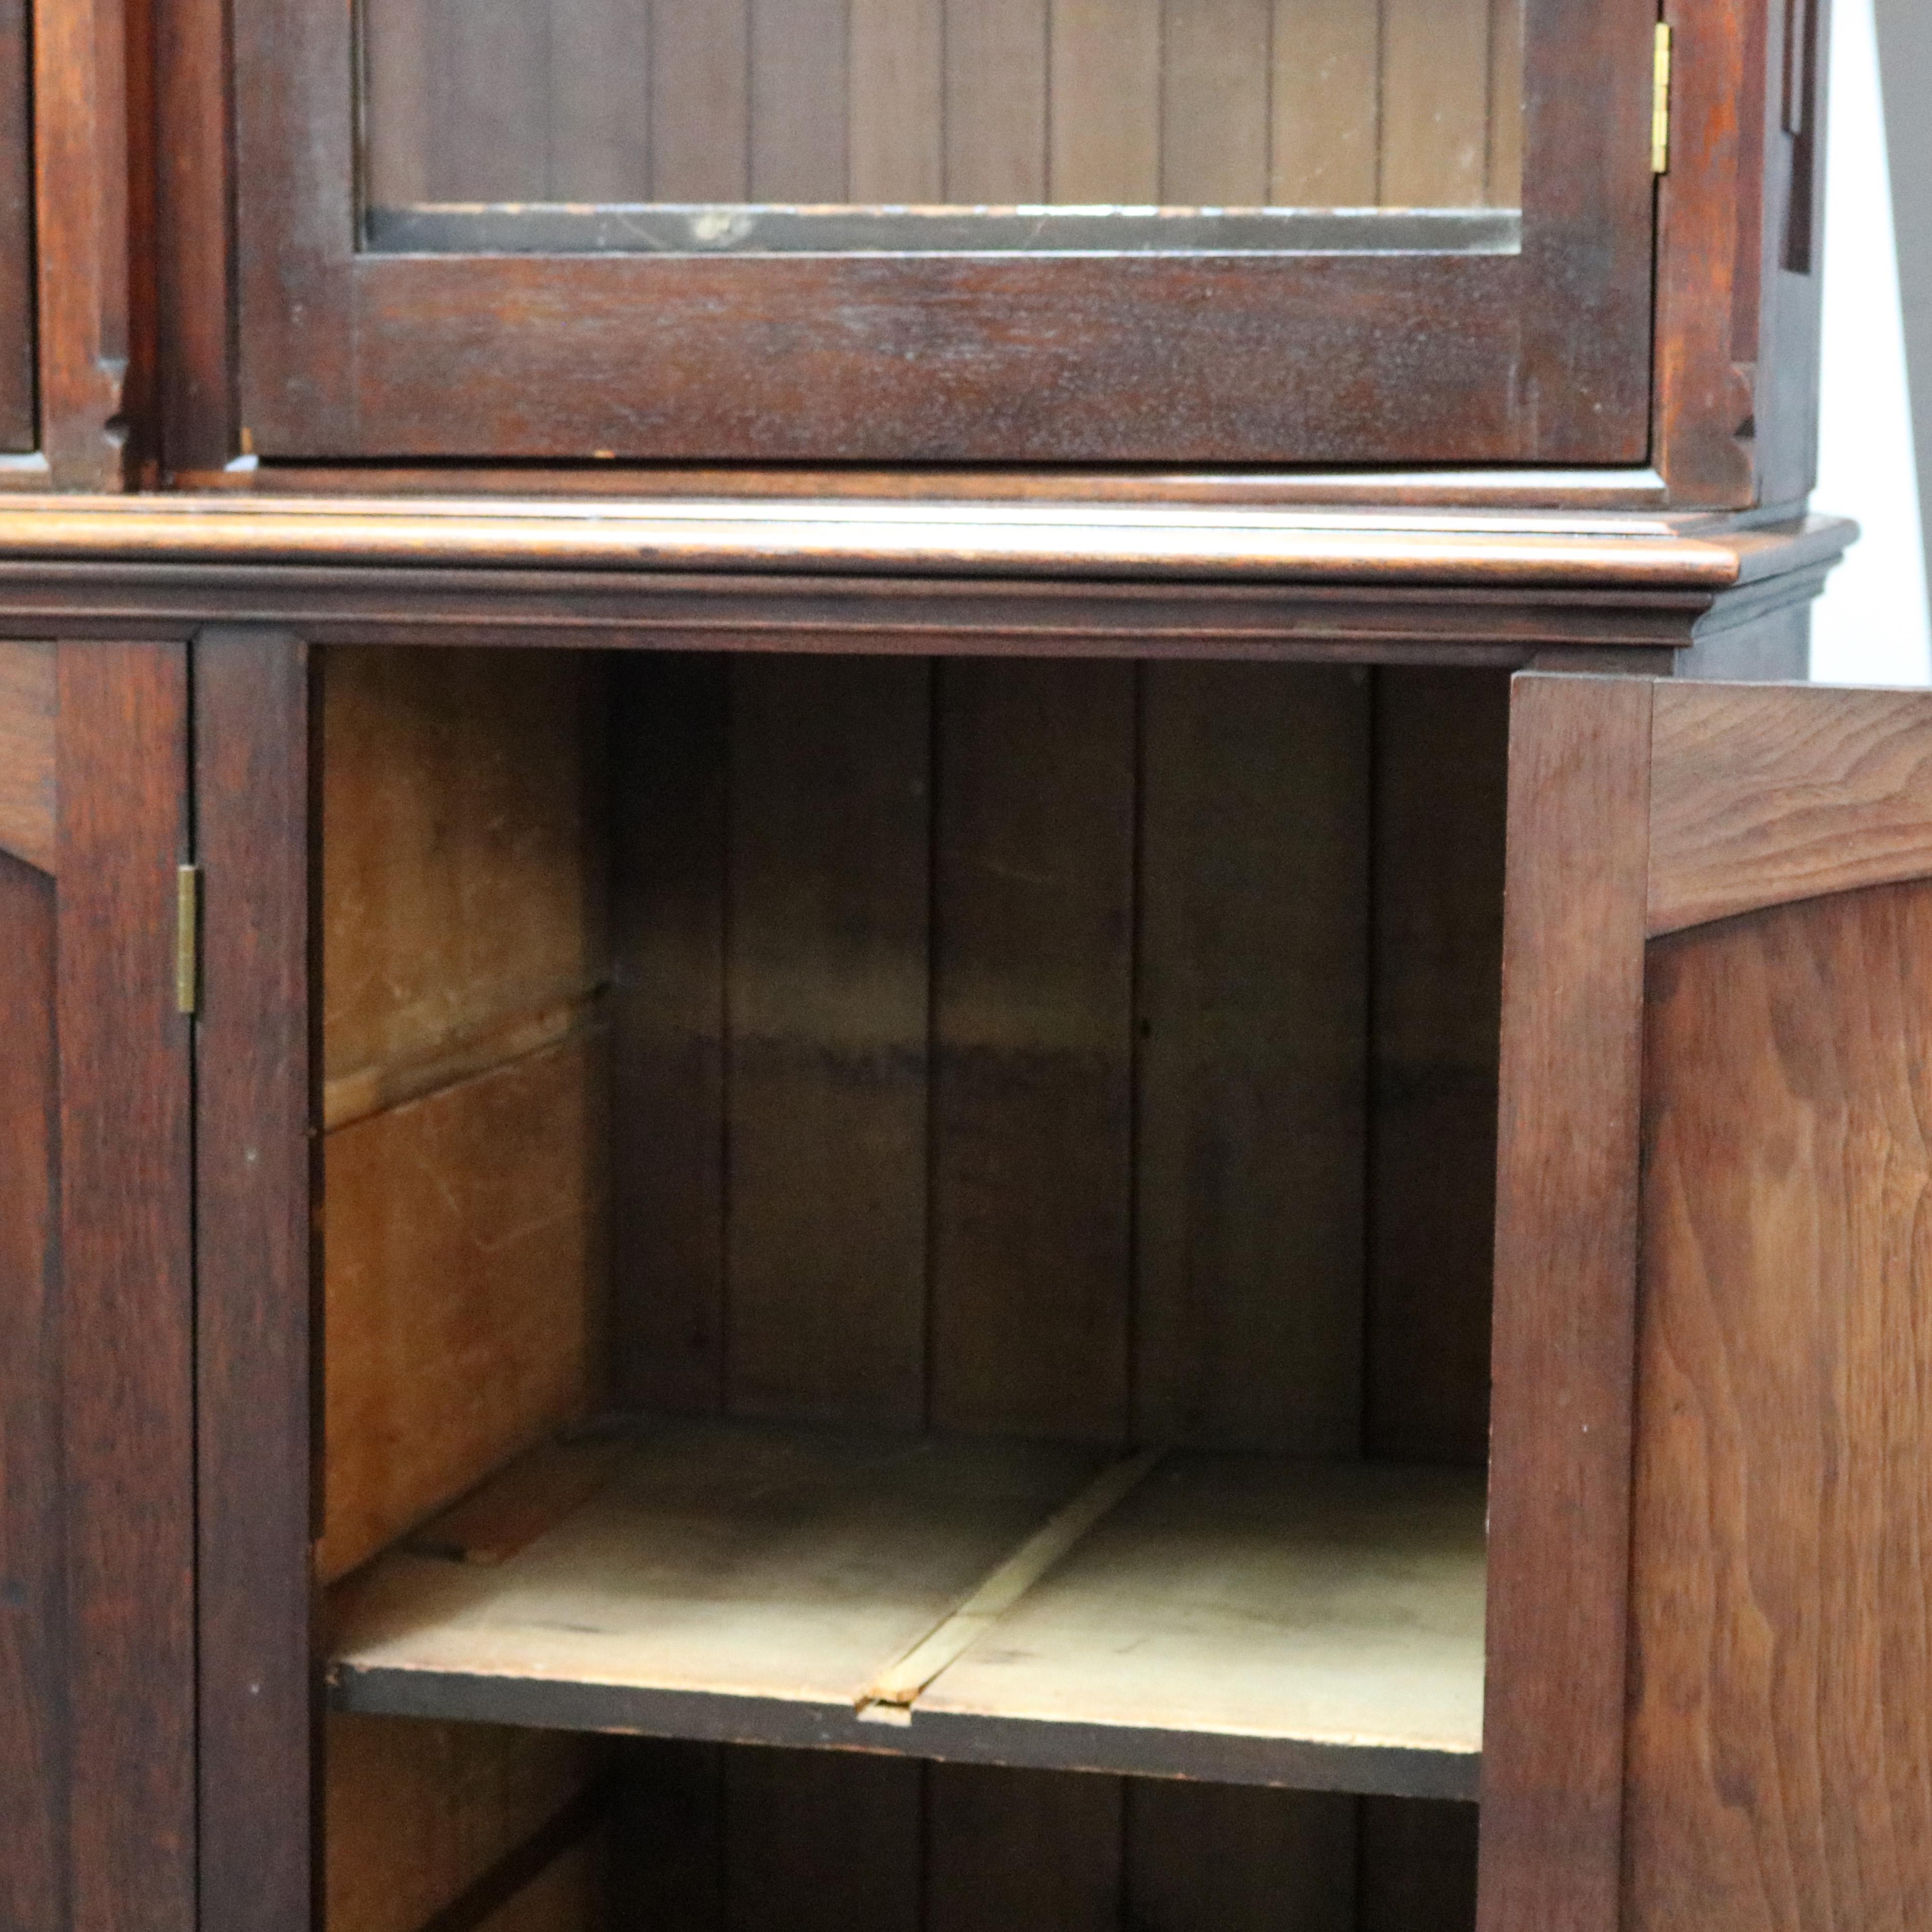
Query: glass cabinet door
<point x="17" y="259"/>
<point x="1293" y="232"/>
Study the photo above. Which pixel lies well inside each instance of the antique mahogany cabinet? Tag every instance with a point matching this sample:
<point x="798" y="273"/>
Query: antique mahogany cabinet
<point x="931" y="997"/>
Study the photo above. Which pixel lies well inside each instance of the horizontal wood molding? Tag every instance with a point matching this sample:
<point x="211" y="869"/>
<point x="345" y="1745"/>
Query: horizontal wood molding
<point x="1762" y="795"/>
<point x="29" y="708"/>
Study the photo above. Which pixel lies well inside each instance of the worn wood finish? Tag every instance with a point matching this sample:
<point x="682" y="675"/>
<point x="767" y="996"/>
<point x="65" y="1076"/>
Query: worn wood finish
<point x="1032" y="1073"/>
<point x="1440" y="787"/>
<point x="254" y="1234"/>
<point x="1764" y="794"/>
<point x="1778" y="1745"/>
<point x="127" y="1290"/>
<point x="415" y="1814"/>
<point x="34" y="1634"/>
<point x="29" y="708"/>
<point x="1251" y="1011"/>
<point x="463" y="874"/>
<point x="465" y="1237"/>
<point x="1566" y="1210"/>
<point x="591" y="354"/>
<point x="17" y="254"/>
<point x="827" y="1005"/>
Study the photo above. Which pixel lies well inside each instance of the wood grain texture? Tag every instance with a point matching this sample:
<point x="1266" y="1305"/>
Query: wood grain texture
<point x="895" y="101"/>
<point x="465" y="1240"/>
<point x="1779" y="1740"/>
<point x="1435" y="103"/>
<point x="597" y="118"/>
<point x="17" y="257"/>
<point x="33" y="1615"/>
<point x="1566" y="1213"/>
<point x="29" y="706"/>
<point x="828" y="1013"/>
<point x="1763" y="795"/>
<point x="1215" y="62"/>
<point x="463" y="873"/>
<point x="996" y="101"/>
<point x="1251" y="1023"/>
<point x="255" y="1280"/>
<point x="1441" y="804"/>
<point x="1103" y="88"/>
<point x="669" y="782"/>
<point x="414" y="1813"/>
<point x="700" y="100"/>
<point x="127" y="1290"/>
<point x="1032" y="1082"/>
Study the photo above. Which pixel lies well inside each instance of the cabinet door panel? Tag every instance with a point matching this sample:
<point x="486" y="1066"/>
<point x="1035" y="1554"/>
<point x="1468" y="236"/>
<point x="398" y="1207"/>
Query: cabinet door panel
<point x="96" y="1652"/>
<point x="16" y="258"/>
<point x="1708" y="1664"/>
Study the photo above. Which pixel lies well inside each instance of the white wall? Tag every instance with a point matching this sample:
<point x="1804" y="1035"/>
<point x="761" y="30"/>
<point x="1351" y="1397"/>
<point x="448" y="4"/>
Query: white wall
<point x="1872" y="626"/>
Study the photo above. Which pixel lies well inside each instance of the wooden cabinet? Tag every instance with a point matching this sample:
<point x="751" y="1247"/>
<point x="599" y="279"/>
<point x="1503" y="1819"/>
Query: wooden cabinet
<point x="16" y="253"/>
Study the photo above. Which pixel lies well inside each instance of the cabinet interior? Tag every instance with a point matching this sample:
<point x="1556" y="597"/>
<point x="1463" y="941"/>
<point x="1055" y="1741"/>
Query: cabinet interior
<point x="800" y="1134"/>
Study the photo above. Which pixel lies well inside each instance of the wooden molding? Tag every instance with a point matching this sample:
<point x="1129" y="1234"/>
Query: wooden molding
<point x="29" y="708"/>
<point x="1764" y="794"/>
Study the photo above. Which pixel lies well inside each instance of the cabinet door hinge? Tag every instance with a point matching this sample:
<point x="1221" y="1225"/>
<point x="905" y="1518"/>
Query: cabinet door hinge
<point x="187" y="939"/>
<point x="1660" y="109"/>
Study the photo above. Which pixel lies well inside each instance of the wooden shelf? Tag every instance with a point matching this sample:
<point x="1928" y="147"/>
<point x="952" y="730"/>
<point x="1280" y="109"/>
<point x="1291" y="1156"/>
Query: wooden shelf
<point x="1310" y="1625"/>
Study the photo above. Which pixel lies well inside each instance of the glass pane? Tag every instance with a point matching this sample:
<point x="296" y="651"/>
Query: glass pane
<point x="709" y="126"/>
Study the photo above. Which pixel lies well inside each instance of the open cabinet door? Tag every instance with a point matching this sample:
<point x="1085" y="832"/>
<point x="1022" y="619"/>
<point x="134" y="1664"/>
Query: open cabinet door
<point x="96" y="1597"/>
<point x="1710" y="1663"/>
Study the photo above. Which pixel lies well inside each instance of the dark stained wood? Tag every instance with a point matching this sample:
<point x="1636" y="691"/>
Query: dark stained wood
<point x="1566" y="1212"/>
<point x="1441" y="770"/>
<point x="1006" y="1848"/>
<point x="1779" y="1739"/>
<point x="33" y="1633"/>
<point x="1765" y="794"/>
<point x="668" y="1842"/>
<point x="1208" y="1857"/>
<point x="822" y="1843"/>
<point x="827" y="1010"/>
<point x="1032" y="1108"/>
<point x="1418" y="1866"/>
<point x="29" y="707"/>
<point x="669" y="764"/>
<point x="16" y="253"/>
<point x="127" y="1288"/>
<point x="84" y="252"/>
<point x="254" y="1233"/>
<point x="1251" y="1020"/>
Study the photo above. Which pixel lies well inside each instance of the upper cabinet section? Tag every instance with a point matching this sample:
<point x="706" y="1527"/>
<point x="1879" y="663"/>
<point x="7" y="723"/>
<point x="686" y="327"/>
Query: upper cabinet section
<point x="17" y="257"/>
<point x="1196" y="232"/>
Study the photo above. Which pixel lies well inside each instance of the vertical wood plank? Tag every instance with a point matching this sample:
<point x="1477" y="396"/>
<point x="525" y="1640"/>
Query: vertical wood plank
<point x="1040" y="1850"/>
<point x="254" y="1280"/>
<point x="799" y="138"/>
<point x="1103" y="91"/>
<point x="1781" y="1743"/>
<point x="127" y="1407"/>
<point x="667" y="1846"/>
<point x="1418" y="1866"/>
<point x="397" y="61"/>
<point x="1441" y="788"/>
<point x="1507" y="76"/>
<point x="827" y="1010"/>
<point x="598" y="111"/>
<point x="1205" y="1858"/>
<point x="1435" y="103"/>
<point x="1326" y="104"/>
<point x="1215" y="65"/>
<point x="29" y="708"/>
<point x="489" y="95"/>
<point x="822" y="1843"/>
<point x="33" y="1611"/>
<point x="669" y="762"/>
<point x="1566" y="1212"/>
<point x="895" y="100"/>
<point x="996" y="106"/>
<point x="1032" y="1157"/>
<point x="16" y="258"/>
<point x="700" y="100"/>
<point x="1253" y="1015"/>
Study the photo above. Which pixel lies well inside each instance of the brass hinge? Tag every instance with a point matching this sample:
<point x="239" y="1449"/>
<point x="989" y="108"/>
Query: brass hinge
<point x="1660" y="109"/>
<point x="187" y="939"/>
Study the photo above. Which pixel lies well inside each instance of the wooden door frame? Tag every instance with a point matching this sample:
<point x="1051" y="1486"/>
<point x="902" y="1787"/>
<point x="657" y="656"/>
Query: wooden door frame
<point x="17" y="424"/>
